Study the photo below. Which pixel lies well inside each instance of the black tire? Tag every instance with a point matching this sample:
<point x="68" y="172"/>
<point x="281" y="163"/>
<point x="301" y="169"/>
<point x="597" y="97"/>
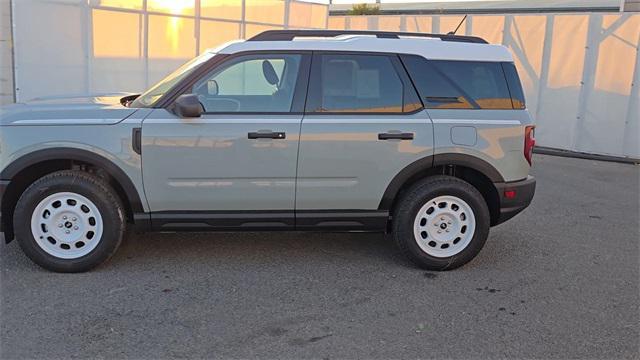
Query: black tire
<point x="418" y="195"/>
<point x="91" y="187"/>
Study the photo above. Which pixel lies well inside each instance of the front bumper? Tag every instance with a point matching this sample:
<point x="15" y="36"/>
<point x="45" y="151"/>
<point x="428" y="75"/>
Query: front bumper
<point x="510" y="207"/>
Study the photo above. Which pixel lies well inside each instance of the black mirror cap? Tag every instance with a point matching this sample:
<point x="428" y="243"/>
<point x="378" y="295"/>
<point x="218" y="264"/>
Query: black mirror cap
<point x="188" y="106"/>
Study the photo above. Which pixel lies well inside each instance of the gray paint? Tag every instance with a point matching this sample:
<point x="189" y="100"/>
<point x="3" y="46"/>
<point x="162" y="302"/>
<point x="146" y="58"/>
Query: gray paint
<point x="500" y="137"/>
<point x="208" y="163"/>
<point x="74" y="124"/>
<point x="343" y="165"/>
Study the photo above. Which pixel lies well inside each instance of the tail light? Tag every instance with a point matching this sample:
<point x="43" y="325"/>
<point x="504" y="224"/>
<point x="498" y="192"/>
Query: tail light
<point x="529" y="142"/>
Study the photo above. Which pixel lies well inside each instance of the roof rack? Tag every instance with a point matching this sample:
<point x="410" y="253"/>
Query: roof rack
<point x="289" y="35"/>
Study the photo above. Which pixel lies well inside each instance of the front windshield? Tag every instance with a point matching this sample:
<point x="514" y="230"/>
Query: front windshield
<point x="152" y="95"/>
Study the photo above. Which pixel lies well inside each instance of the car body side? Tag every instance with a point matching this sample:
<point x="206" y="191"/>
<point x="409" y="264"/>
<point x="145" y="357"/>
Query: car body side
<point x="483" y="147"/>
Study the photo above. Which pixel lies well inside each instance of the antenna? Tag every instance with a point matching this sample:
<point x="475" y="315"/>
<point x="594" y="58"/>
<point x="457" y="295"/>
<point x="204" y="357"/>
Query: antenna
<point x="458" y="27"/>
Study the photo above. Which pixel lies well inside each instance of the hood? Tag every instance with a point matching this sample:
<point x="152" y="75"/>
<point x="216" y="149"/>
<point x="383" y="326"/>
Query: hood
<point x="88" y="110"/>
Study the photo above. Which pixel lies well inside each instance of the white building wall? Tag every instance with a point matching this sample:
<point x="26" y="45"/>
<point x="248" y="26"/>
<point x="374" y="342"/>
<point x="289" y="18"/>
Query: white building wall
<point x="76" y="47"/>
<point x="6" y="61"/>
<point x="580" y="71"/>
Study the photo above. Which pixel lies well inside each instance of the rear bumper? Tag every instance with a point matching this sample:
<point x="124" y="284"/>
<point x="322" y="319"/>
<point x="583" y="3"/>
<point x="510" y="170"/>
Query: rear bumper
<point x="510" y="207"/>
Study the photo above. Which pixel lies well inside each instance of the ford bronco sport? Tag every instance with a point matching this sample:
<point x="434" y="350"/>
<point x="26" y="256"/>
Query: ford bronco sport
<point x="423" y="136"/>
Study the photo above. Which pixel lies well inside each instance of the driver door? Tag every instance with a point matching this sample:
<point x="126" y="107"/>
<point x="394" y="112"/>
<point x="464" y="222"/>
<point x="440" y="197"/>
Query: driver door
<point x="240" y="155"/>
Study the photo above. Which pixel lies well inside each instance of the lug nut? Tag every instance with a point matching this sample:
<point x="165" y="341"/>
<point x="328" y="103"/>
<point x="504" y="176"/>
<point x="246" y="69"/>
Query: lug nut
<point x="74" y="219"/>
<point x="75" y="227"/>
<point x="67" y="232"/>
<point x="439" y="231"/>
<point x="449" y="222"/>
<point x="447" y="230"/>
<point x="59" y="225"/>
<point x="64" y="217"/>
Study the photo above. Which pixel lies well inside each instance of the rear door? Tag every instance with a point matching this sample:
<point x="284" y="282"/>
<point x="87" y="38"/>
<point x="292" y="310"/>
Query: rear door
<point x="363" y="124"/>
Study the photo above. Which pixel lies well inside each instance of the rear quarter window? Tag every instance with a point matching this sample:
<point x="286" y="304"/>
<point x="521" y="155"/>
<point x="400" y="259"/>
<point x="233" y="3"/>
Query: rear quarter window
<point x="445" y="84"/>
<point x="515" y="86"/>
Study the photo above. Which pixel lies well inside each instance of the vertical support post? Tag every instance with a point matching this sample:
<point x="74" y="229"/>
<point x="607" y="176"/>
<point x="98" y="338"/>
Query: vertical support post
<point x="14" y="65"/>
<point x="631" y="143"/>
<point x="588" y="76"/>
<point x="326" y="18"/>
<point x="243" y="23"/>
<point x="506" y="30"/>
<point x="546" y="59"/>
<point x="435" y="24"/>
<point x="403" y="23"/>
<point x="287" y="10"/>
<point x="373" y="23"/>
<point x="87" y="22"/>
<point x="145" y="43"/>
<point x="468" y="29"/>
<point x="196" y="26"/>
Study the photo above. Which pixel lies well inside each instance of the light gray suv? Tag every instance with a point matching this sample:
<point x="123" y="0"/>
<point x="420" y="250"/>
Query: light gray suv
<point x="422" y="136"/>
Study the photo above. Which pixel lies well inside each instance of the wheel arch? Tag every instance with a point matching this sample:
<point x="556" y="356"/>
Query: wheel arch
<point x="26" y="169"/>
<point x="473" y="170"/>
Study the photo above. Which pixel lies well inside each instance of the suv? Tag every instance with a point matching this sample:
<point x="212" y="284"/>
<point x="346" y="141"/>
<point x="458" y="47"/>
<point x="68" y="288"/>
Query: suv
<point x="423" y="136"/>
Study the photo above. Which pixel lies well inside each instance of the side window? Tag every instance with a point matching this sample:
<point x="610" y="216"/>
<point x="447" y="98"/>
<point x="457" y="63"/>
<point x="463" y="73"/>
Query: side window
<point x="515" y="87"/>
<point x="252" y="83"/>
<point x="349" y="83"/>
<point x="447" y="84"/>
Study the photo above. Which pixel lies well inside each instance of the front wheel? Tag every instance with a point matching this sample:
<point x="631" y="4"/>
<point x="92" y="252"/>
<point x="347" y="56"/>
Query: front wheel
<point x="441" y="223"/>
<point x="69" y="221"/>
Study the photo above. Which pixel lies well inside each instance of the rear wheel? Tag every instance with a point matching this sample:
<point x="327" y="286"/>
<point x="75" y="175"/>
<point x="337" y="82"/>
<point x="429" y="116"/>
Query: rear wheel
<point x="69" y="221"/>
<point x="441" y="223"/>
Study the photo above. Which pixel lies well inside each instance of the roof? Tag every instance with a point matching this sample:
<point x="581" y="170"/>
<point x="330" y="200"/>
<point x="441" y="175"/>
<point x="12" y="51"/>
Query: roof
<point x="428" y="47"/>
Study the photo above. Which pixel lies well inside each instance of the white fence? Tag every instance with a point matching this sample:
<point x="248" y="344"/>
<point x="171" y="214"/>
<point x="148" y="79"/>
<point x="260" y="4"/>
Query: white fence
<point x="65" y="47"/>
<point x="580" y="71"/>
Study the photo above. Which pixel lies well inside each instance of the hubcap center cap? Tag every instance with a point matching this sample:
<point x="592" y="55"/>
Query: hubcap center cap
<point x="443" y="226"/>
<point x="68" y="224"/>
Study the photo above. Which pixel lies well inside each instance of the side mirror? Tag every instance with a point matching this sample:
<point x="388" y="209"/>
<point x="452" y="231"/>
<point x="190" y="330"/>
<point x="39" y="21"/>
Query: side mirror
<point x="212" y="87"/>
<point x="188" y="106"/>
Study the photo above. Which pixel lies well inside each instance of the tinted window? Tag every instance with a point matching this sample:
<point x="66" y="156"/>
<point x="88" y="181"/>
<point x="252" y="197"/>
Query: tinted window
<point x="359" y="83"/>
<point x="253" y="83"/>
<point x="459" y="84"/>
<point x="515" y="87"/>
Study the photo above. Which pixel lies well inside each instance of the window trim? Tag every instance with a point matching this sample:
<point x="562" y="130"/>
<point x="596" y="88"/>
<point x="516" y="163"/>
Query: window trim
<point x="313" y="94"/>
<point x="299" y="94"/>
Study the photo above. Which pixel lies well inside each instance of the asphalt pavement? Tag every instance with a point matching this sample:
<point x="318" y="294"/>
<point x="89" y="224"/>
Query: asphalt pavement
<point x="561" y="280"/>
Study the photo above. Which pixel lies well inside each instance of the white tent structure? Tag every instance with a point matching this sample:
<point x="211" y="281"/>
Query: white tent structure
<point x="67" y="47"/>
<point x="578" y="61"/>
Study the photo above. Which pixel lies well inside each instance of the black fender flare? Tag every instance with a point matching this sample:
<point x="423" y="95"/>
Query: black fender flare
<point x="429" y="162"/>
<point x="75" y="154"/>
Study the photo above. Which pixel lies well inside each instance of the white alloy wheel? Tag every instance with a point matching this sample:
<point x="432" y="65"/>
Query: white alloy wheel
<point x="66" y="225"/>
<point x="444" y="226"/>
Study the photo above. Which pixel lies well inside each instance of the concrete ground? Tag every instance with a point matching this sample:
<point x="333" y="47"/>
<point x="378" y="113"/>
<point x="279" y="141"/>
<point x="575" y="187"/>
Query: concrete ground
<point x="558" y="281"/>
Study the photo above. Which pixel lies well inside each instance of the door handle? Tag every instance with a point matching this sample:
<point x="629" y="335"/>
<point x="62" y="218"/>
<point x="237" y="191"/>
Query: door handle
<point x="395" y="136"/>
<point x="267" y="135"/>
